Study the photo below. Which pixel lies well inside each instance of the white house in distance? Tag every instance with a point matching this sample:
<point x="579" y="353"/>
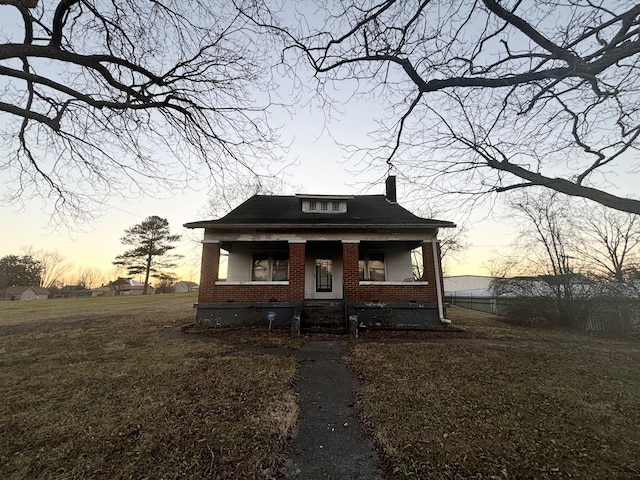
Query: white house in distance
<point x="24" y="293"/>
<point x="184" y="287"/>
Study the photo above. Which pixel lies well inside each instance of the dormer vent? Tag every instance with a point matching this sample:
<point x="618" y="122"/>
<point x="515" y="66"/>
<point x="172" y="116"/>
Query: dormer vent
<point x="324" y="204"/>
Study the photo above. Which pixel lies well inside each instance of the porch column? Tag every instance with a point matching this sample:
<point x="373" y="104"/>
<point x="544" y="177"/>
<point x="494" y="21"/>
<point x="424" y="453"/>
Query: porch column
<point x="350" y="271"/>
<point x="209" y="271"/>
<point x="429" y="270"/>
<point x="296" y="271"/>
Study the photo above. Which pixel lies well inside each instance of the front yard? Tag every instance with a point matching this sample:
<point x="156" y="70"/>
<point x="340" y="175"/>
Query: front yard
<point x="512" y="402"/>
<point x="103" y="388"/>
<point x="91" y="388"/>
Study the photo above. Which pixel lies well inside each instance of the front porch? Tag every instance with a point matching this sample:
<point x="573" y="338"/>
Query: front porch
<point x="283" y="284"/>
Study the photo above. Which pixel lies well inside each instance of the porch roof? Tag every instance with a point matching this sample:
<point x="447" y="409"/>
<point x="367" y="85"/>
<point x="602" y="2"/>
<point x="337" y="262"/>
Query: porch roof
<point x="278" y="212"/>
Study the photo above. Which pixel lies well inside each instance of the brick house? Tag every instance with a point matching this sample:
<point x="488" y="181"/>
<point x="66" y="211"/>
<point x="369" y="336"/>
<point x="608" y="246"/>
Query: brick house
<point x="313" y="258"/>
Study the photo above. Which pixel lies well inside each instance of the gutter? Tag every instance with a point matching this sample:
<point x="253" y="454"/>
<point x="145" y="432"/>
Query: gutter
<point x="315" y="226"/>
<point x="436" y="265"/>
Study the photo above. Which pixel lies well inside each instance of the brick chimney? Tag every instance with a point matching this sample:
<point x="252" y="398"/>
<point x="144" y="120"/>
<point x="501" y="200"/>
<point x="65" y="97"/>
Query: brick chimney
<point x="391" y="189"/>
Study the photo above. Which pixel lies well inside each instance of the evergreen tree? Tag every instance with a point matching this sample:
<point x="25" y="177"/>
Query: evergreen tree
<point x="19" y="270"/>
<point x="151" y="241"/>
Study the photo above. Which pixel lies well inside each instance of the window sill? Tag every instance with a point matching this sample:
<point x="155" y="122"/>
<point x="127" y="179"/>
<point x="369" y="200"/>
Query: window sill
<point x="370" y="282"/>
<point x="280" y="282"/>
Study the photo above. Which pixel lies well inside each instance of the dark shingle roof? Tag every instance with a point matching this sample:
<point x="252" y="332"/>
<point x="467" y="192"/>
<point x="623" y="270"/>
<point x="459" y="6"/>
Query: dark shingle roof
<point x="283" y="211"/>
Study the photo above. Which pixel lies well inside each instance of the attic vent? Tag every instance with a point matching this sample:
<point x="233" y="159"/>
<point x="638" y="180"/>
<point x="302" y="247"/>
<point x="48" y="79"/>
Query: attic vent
<point x="324" y="206"/>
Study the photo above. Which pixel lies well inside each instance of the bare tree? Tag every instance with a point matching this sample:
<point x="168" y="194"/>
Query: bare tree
<point x="223" y="199"/>
<point x="89" y="277"/>
<point x="486" y="95"/>
<point x="579" y="261"/>
<point x="105" y="97"/>
<point x="546" y="237"/>
<point x="609" y="244"/>
<point x="546" y="232"/>
<point x="54" y="265"/>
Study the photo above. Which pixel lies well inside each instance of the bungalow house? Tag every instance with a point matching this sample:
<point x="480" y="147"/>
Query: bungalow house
<point x="24" y="293"/>
<point x="309" y="259"/>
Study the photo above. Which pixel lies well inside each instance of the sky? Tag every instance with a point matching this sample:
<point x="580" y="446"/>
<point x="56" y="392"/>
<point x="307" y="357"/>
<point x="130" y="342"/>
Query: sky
<point x="318" y="165"/>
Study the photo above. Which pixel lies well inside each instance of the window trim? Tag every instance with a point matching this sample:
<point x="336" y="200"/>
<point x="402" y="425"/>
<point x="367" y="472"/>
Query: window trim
<point x="364" y="273"/>
<point x="271" y="257"/>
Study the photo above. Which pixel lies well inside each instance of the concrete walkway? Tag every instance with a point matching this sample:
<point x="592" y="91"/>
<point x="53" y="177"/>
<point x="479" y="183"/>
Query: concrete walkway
<point x="328" y="443"/>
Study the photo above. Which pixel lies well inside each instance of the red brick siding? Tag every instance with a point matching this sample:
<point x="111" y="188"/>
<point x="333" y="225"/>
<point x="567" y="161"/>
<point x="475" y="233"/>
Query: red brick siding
<point x="209" y="272"/>
<point x="296" y="271"/>
<point x="350" y="272"/>
<point x="395" y="293"/>
<point x="252" y="293"/>
<point x="429" y="273"/>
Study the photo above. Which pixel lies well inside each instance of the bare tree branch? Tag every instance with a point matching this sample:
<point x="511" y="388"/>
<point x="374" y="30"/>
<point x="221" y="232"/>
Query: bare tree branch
<point x="118" y="96"/>
<point x="482" y="87"/>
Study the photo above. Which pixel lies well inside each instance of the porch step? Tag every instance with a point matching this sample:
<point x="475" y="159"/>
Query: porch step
<point x="323" y="317"/>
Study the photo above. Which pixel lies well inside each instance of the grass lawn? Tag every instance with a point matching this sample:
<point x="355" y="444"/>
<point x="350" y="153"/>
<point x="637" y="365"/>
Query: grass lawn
<point x="98" y="388"/>
<point x="93" y="388"/>
<point x="510" y="402"/>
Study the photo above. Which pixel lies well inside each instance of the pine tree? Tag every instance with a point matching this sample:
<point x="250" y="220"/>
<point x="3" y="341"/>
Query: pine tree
<point x="152" y="241"/>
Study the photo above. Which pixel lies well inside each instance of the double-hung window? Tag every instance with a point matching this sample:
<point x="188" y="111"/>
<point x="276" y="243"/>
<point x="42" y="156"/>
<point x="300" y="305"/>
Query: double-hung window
<point x="371" y="266"/>
<point x="270" y="267"/>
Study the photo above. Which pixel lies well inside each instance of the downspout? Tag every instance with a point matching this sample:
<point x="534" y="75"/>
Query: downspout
<point x="436" y="266"/>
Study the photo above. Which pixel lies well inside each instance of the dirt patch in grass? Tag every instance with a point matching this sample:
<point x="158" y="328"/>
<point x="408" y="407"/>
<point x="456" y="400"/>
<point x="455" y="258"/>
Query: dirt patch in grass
<point x="555" y="410"/>
<point x="94" y="390"/>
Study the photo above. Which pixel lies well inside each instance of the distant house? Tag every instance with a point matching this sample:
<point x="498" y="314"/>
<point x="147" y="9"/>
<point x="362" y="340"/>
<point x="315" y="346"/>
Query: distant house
<point x="184" y="287"/>
<point x="24" y="293"/>
<point x="74" y="291"/>
<point x="129" y="286"/>
<point x="292" y="255"/>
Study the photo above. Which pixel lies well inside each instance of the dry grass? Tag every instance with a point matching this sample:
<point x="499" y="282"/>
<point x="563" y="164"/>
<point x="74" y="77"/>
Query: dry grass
<point x="91" y="388"/>
<point x="510" y="402"/>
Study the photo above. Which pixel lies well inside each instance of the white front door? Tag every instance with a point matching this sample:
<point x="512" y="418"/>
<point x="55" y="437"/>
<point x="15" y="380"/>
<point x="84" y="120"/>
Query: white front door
<point x="323" y="276"/>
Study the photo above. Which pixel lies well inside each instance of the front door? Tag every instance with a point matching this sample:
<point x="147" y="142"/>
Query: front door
<point x="324" y="275"/>
<point x="323" y="271"/>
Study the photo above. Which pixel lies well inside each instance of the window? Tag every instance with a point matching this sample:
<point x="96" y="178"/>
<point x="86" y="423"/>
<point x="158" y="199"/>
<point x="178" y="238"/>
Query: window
<point x="313" y="205"/>
<point x="270" y="267"/>
<point x="324" y="206"/>
<point x="335" y="206"/>
<point x="371" y="266"/>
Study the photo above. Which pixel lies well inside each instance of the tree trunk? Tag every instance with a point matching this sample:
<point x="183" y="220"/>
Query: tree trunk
<point x="146" y="276"/>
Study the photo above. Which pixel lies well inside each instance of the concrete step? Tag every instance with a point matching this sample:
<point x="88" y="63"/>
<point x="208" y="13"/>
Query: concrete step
<point x="323" y="317"/>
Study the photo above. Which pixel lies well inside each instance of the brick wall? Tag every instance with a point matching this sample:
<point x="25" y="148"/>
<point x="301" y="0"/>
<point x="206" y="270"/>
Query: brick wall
<point x="251" y="293"/>
<point x="429" y="273"/>
<point x="395" y="293"/>
<point x="350" y="273"/>
<point x="296" y="271"/>
<point x="209" y="272"/>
